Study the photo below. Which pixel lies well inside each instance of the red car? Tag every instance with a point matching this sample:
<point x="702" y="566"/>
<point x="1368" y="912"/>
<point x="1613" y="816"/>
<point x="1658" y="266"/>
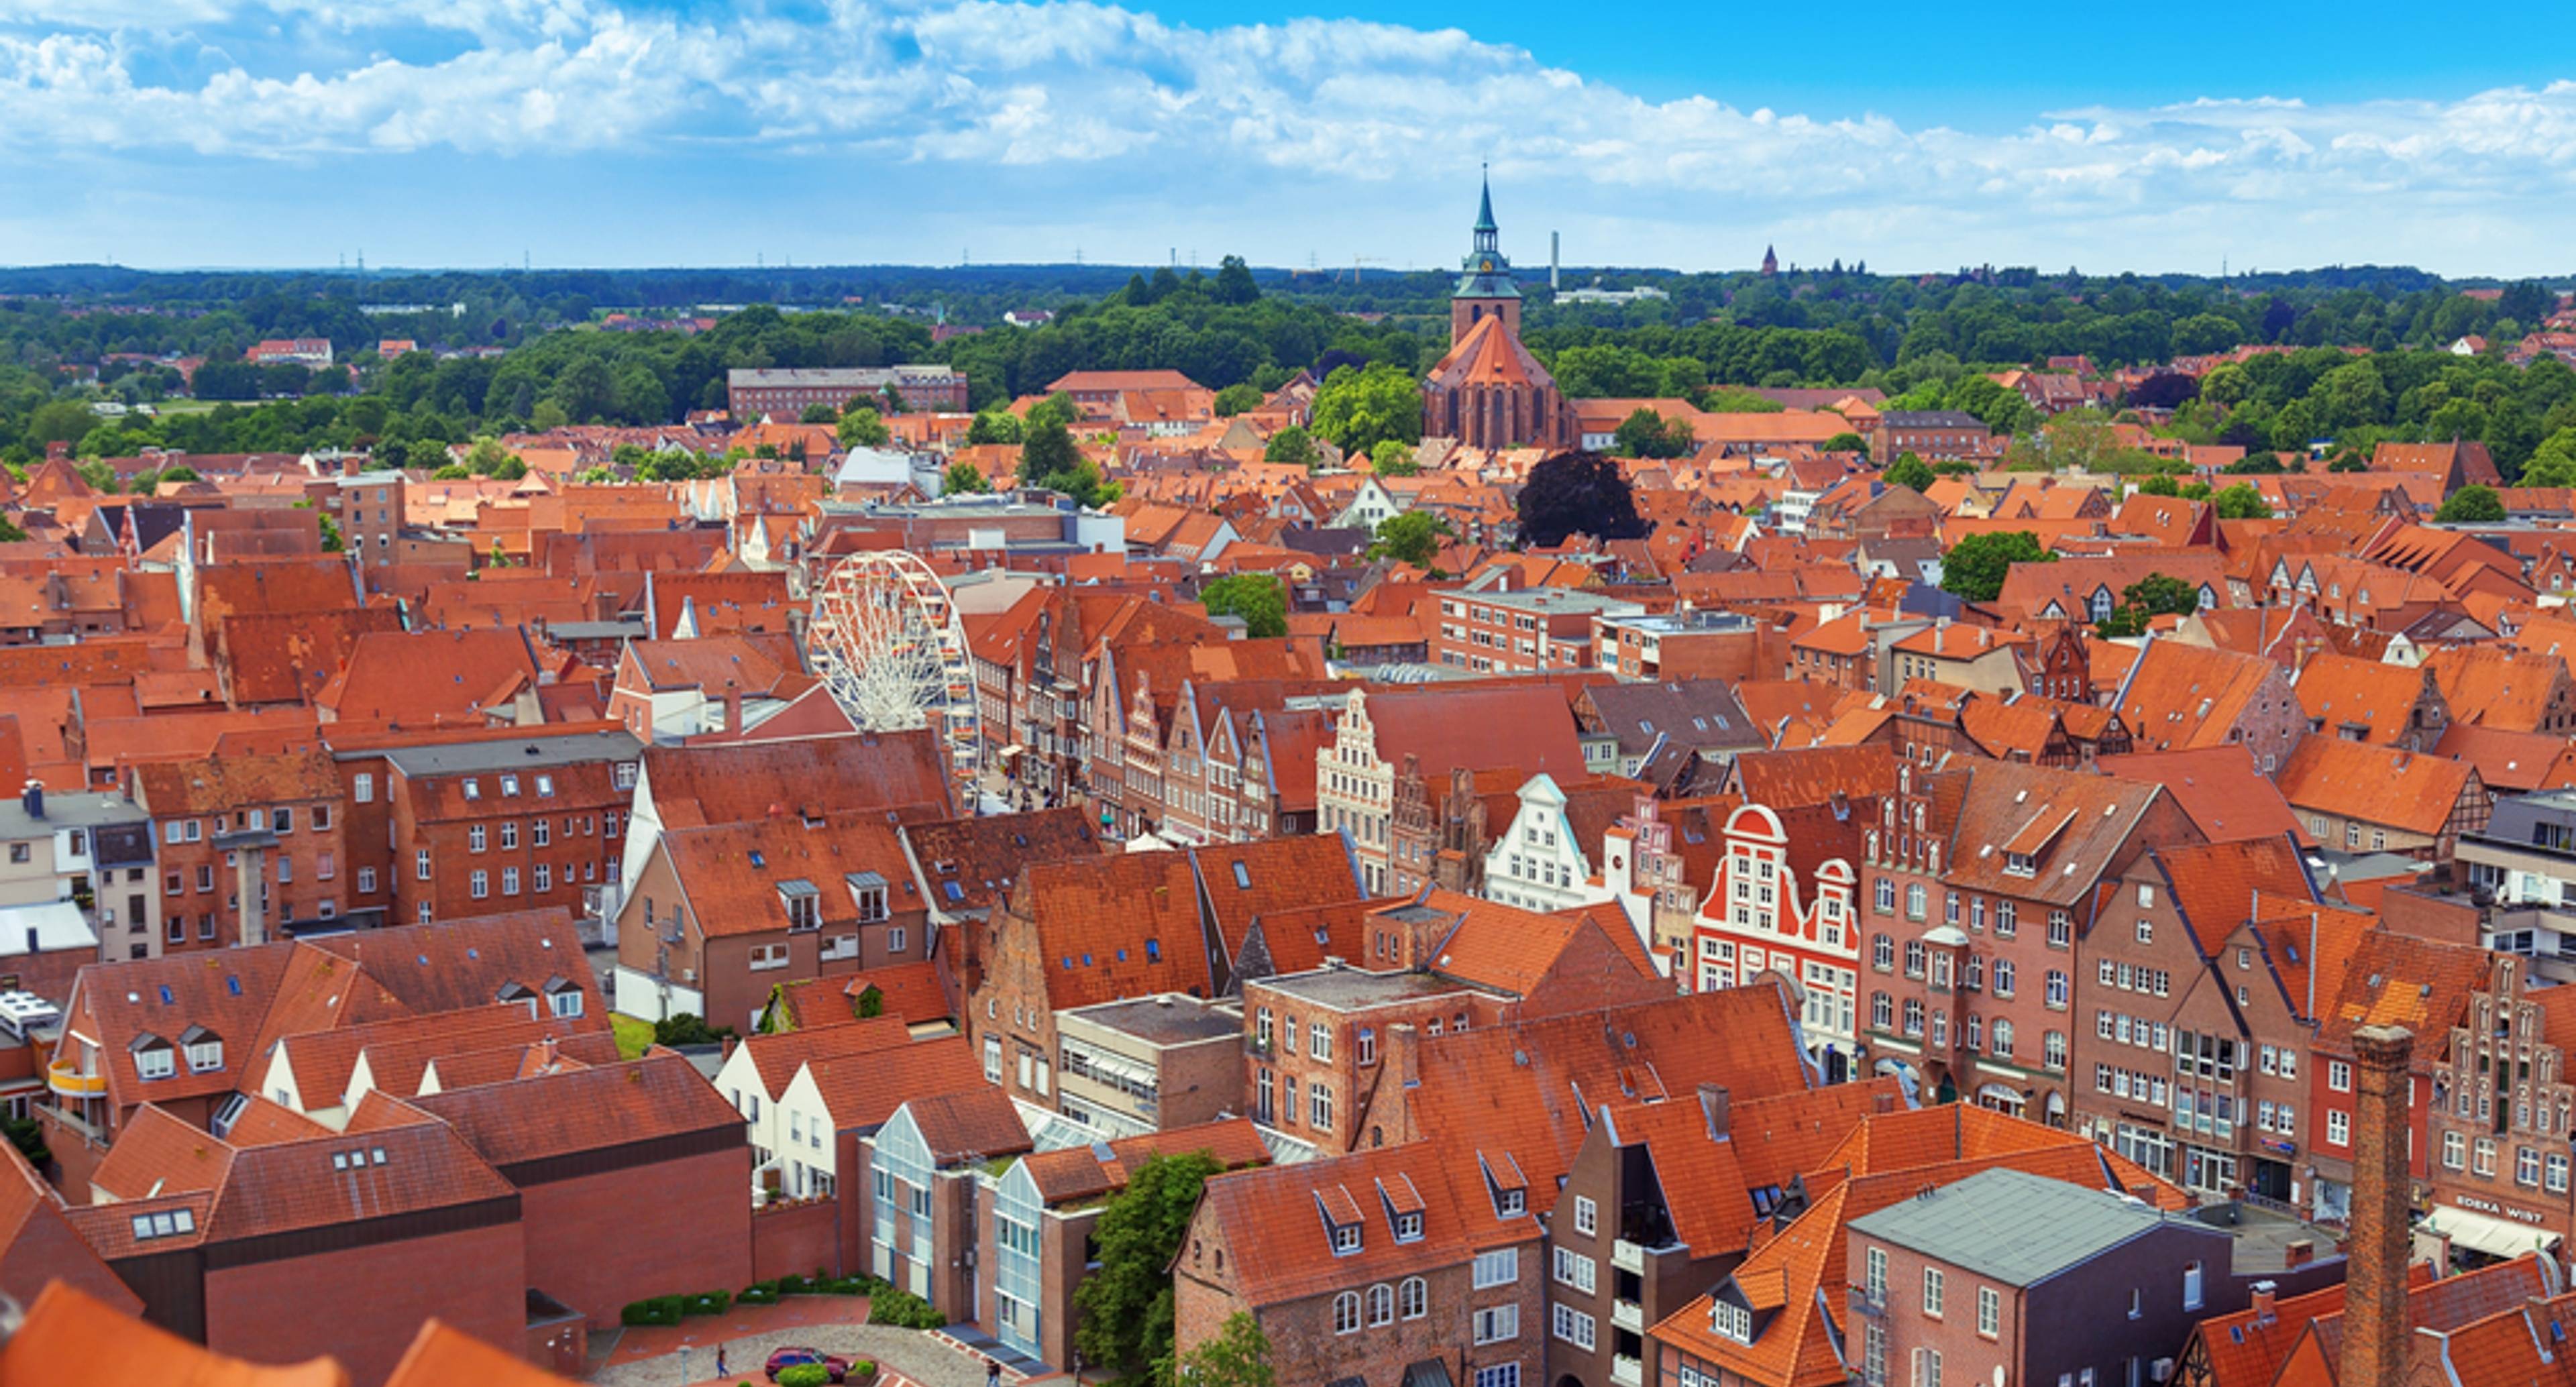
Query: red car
<point x="785" y="1358"/>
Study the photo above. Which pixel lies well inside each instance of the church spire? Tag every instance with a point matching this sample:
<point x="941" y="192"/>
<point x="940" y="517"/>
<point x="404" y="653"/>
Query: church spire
<point x="1485" y="211"/>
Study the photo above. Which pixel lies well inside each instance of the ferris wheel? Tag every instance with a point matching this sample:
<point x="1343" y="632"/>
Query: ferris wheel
<point x="891" y="650"/>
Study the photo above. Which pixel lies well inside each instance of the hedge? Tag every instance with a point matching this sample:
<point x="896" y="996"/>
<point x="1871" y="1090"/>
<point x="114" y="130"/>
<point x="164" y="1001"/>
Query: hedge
<point x="657" y="1310"/>
<point x="902" y="1309"/>
<point x="805" y="1375"/>
<point x="670" y="1309"/>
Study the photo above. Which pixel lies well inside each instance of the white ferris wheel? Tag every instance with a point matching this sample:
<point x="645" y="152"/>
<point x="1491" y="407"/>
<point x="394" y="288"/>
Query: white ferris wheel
<point x="888" y="644"/>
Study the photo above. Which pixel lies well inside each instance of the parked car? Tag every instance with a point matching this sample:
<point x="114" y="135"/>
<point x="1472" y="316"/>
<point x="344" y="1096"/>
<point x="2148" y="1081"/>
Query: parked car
<point x="785" y="1358"/>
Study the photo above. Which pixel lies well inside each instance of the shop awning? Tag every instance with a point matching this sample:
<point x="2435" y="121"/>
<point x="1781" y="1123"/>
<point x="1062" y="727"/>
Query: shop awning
<point x="2496" y="1237"/>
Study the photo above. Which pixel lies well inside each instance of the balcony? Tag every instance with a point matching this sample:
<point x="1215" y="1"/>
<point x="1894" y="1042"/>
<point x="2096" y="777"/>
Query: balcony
<point x="1628" y="1315"/>
<point x="1864" y="1303"/>
<point x="64" y="1077"/>
<point x="1627" y="1256"/>
<point x="1626" y="1371"/>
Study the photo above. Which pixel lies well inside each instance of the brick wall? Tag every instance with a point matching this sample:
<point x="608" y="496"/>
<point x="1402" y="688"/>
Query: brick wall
<point x="597" y="1242"/>
<point x="797" y="1238"/>
<point x="362" y="1305"/>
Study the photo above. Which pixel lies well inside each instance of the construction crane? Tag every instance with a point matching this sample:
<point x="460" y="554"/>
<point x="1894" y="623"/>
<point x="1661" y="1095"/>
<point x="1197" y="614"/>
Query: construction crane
<point x="1356" y="262"/>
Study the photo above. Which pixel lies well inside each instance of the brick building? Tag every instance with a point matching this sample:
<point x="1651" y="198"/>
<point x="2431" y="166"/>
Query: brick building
<point x="530" y="822"/>
<point x="785" y="391"/>
<point x="367" y="510"/>
<point x="2010" y="1277"/>
<point x="1427" y="733"/>
<point x="1362" y="1268"/>
<point x="327" y="1243"/>
<point x="1037" y="1239"/>
<point x="721" y="915"/>
<point x="1496" y="630"/>
<point x="2499" y="1117"/>
<point x="1979" y="998"/>
<point x="249" y="846"/>
<point x="630" y="1176"/>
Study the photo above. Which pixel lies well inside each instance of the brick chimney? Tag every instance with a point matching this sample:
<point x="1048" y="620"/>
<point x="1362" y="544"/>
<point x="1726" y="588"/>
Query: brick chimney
<point x="1715" y="1108"/>
<point x="2266" y="1298"/>
<point x="2375" y="1329"/>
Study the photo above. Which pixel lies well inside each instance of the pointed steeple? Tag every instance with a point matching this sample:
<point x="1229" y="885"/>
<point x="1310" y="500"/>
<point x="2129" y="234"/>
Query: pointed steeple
<point x="1485" y="210"/>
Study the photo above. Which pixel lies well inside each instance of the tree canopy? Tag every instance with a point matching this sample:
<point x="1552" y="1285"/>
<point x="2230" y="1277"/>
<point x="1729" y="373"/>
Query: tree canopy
<point x="1909" y="470"/>
<point x="1412" y="537"/>
<point x="1126" y="1301"/>
<point x="1258" y="598"/>
<point x="1355" y="407"/>
<point x="2472" y="505"/>
<point x="1975" y="566"/>
<point x="863" y="428"/>
<point x="1577" y="493"/>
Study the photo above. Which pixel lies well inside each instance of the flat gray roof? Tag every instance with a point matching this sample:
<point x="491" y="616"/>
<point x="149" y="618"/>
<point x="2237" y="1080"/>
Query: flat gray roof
<point x="516" y="753"/>
<point x="1169" y="1019"/>
<point x="1348" y="989"/>
<point x="76" y="810"/>
<point x="2013" y="1227"/>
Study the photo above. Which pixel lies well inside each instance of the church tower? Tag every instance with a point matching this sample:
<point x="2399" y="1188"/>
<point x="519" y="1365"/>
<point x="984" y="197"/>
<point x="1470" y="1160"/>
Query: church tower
<point x="1486" y="290"/>
<point x="1488" y="391"/>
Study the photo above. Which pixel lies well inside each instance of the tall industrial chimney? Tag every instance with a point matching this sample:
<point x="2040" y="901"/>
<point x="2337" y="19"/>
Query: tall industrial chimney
<point x="1551" y="262"/>
<point x="2375" y="1328"/>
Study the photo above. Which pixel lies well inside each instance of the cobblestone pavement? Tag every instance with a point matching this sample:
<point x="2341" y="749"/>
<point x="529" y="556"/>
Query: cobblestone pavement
<point x="908" y="1357"/>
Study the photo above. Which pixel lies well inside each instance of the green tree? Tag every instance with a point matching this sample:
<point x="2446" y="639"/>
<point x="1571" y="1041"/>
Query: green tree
<point x="819" y="414"/>
<point x="1258" y="598"/>
<point x="486" y="457"/>
<point x="2553" y="463"/>
<point x="1047" y="451"/>
<point x="332" y="543"/>
<point x="548" y="415"/>
<point x="1975" y="566"/>
<point x="1293" y="446"/>
<point x="1058" y="407"/>
<point x="2150" y="597"/>
<point x="28" y="1135"/>
<point x="2471" y="505"/>
<point x="452" y="472"/>
<point x="59" y="421"/>
<point x="1236" y="399"/>
<point x="1237" y="1355"/>
<point x="1234" y="282"/>
<point x="512" y="468"/>
<point x="863" y="428"/>
<point x="1908" y="470"/>
<point x="1126" y="1302"/>
<point x="585" y="390"/>
<point x="1846" y="443"/>
<point x="1355" y="408"/>
<point x="1412" y="537"/>
<point x="2161" y="484"/>
<point x="1393" y="458"/>
<point x="964" y="479"/>
<point x="994" y="426"/>
<point x="2242" y="502"/>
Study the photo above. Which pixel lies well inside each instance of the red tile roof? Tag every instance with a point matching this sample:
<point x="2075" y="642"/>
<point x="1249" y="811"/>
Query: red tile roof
<point x="1080" y="1173"/>
<point x="2218" y="787"/>
<point x="69" y="1335"/>
<point x="737" y="783"/>
<point x="2415" y="791"/>
<point x="661" y="1094"/>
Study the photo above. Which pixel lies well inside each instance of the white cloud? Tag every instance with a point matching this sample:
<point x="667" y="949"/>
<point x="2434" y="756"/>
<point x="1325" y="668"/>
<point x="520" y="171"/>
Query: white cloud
<point x="1342" y="104"/>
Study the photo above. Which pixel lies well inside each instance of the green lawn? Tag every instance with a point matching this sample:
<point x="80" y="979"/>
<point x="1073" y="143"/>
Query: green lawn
<point x="633" y="1036"/>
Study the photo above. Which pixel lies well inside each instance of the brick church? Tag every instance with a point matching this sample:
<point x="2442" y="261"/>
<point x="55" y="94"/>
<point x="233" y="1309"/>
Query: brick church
<point x="1488" y="391"/>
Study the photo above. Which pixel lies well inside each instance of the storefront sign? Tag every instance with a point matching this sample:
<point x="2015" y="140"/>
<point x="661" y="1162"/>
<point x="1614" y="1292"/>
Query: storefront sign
<point x="2489" y="1206"/>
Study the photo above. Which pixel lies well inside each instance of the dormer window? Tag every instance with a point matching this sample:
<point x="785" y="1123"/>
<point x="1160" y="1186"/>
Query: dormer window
<point x="1732" y="1320"/>
<point x="473" y="788"/>
<point x="2020" y="864"/>
<point x="154" y="1058"/>
<point x="169" y="1223"/>
<point x="1346" y="1239"/>
<point x="509" y="786"/>
<point x="205" y="1050"/>
<point x="1408" y="1228"/>
<point x="804" y="904"/>
<point x="868" y="890"/>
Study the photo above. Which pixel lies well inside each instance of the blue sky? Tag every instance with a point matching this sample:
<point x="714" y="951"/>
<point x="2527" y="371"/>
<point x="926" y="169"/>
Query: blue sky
<point x="642" y="132"/>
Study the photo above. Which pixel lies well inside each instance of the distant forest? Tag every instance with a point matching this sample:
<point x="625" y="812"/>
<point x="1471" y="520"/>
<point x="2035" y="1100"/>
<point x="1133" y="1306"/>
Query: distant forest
<point x="1226" y="325"/>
